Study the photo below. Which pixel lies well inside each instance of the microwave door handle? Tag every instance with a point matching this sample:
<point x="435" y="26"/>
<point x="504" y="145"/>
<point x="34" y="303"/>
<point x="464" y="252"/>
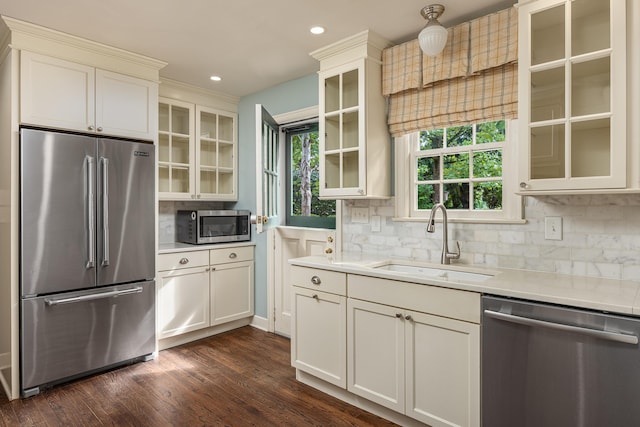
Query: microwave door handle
<point x="105" y="211"/>
<point x="91" y="212"/>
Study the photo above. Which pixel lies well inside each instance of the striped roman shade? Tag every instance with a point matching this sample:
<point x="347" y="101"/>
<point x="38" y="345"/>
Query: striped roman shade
<point x="473" y="80"/>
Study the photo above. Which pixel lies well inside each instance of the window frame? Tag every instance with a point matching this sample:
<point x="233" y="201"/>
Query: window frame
<point x="406" y="180"/>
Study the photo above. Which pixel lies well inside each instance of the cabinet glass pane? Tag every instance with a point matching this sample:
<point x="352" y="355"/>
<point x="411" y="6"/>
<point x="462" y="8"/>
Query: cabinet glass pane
<point x="225" y="128"/>
<point x="208" y="181"/>
<point x="180" y="120"/>
<point x="225" y="182"/>
<point x="547" y="95"/>
<point x="332" y="94"/>
<point x="332" y="170"/>
<point x="350" y="169"/>
<point x="225" y="155"/>
<point x="164" y="184"/>
<point x="179" y="149"/>
<point x="350" y="130"/>
<point x="547" y="35"/>
<point x="332" y="133"/>
<point x="164" y="150"/>
<point x="350" y="89"/>
<point x="590" y="92"/>
<point x="591" y="148"/>
<point x="207" y="125"/>
<point x="547" y="152"/>
<point x="208" y="153"/>
<point x="590" y="26"/>
<point x="163" y="117"/>
<point x="180" y="180"/>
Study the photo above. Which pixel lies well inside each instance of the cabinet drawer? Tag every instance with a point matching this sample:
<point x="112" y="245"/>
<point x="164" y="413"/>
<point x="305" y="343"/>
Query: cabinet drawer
<point x="179" y="260"/>
<point x="323" y="280"/>
<point x="221" y="256"/>
<point x="452" y="303"/>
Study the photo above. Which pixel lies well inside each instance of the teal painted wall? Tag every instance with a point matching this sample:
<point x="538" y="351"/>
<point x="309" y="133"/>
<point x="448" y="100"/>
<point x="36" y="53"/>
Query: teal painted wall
<point x="286" y="97"/>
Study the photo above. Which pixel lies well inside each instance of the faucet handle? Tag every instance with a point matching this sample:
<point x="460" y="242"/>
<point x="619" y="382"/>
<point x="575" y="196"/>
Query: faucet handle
<point x="456" y="254"/>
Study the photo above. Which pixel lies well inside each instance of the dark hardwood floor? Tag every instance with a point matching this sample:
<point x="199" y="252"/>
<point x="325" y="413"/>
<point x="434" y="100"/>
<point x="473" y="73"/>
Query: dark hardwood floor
<point x="239" y="378"/>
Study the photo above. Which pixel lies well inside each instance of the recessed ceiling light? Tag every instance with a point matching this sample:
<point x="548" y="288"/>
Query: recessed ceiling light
<point x="215" y="78"/>
<point x="316" y="30"/>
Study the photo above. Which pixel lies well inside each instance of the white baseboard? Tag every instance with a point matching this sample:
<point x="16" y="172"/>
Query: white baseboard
<point x="260" y="323"/>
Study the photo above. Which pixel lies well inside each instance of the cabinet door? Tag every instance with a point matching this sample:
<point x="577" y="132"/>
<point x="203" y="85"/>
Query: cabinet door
<point x="375" y="353"/>
<point x="56" y="93"/>
<point x="572" y="78"/>
<point x="318" y="341"/>
<point x="176" y="150"/>
<point x="125" y="106"/>
<point x="183" y="301"/>
<point x="442" y="370"/>
<point x="231" y="291"/>
<point x="216" y="155"/>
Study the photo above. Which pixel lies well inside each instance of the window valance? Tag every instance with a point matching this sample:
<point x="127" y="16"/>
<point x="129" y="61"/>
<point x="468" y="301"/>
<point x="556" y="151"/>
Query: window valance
<point x="474" y="78"/>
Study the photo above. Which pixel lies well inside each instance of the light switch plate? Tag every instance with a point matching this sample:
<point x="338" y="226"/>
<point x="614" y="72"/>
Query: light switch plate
<point x="553" y="227"/>
<point x="375" y="223"/>
<point x="360" y="215"/>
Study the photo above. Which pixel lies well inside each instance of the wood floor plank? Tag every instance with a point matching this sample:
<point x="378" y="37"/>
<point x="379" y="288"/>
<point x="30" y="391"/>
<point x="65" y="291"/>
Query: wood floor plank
<point x="240" y="378"/>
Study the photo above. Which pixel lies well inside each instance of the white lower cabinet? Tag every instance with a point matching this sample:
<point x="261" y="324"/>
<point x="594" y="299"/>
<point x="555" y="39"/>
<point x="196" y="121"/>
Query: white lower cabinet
<point x="199" y="289"/>
<point x="412" y="348"/>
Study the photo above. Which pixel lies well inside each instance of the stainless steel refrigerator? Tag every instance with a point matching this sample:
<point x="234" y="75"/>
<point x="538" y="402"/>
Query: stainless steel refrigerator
<point x="87" y="255"/>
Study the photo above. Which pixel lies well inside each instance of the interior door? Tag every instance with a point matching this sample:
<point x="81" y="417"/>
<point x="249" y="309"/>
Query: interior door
<point x="268" y="170"/>
<point x="126" y="229"/>
<point x="57" y="211"/>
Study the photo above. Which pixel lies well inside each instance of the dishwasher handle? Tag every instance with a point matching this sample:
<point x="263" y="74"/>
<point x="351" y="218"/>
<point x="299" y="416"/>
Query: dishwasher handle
<point x="605" y="335"/>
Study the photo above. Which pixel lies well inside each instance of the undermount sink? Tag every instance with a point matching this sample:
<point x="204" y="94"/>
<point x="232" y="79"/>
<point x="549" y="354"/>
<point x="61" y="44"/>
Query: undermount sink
<point x="435" y="272"/>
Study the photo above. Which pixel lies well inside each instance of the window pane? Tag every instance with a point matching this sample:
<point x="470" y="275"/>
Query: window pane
<point x="487" y="195"/>
<point x="430" y="139"/>
<point x="456" y="195"/>
<point x="459" y="136"/>
<point x="487" y="163"/>
<point x="428" y="195"/>
<point x="490" y="132"/>
<point x="428" y="168"/>
<point x="456" y="166"/>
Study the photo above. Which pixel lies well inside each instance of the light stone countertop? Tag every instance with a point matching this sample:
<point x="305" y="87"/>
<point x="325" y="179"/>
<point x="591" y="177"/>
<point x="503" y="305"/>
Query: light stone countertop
<point x="168" y="248"/>
<point x="616" y="296"/>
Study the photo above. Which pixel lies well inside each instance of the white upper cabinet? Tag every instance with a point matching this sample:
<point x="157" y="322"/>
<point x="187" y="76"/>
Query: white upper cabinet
<point x="355" y="146"/>
<point x="67" y="95"/>
<point x="572" y="93"/>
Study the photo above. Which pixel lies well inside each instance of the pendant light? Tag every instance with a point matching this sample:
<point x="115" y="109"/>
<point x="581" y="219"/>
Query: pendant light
<point x="433" y="36"/>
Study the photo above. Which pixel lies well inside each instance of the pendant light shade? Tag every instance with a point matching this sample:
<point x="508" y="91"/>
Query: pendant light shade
<point x="433" y="36"/>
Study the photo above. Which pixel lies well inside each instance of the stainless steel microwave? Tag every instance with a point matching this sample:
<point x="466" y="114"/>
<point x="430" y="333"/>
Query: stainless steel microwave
<point x="216" y="226"/>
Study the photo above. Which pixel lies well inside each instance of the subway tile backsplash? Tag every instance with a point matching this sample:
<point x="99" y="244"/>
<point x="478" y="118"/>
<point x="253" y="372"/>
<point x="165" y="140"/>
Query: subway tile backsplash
<point x="601" y="237"/>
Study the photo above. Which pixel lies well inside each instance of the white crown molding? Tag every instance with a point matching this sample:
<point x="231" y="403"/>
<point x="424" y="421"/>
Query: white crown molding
<point x="186" y="92"/>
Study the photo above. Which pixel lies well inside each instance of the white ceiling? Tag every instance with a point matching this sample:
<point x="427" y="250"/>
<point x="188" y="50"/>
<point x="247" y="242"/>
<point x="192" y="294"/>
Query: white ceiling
<point x="251" y="44"/>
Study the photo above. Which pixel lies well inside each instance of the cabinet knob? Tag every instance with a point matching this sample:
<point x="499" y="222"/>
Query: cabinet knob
<point x="399" y="315"/>
<point x="99" y="129"/>
<point x="315" y="297"/>
<point x="524" y="185"/>
<point x="408" y="317"/>
<point x="233" y="255"/>
<point x="184" y="261"/>
<point x="328" y="251"/>
<point x="316" y="280"/>
<point x="91" y="128"/>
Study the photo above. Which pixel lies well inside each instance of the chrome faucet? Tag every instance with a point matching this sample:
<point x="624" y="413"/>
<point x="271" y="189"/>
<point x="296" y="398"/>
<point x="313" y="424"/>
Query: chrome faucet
<point x="431" y="227"/>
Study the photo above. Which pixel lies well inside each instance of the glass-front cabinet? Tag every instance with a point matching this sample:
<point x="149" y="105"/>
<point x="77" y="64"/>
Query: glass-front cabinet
<point x="355" y="145"/>
<point x="197" y="152"/>
<point x="176" y="151"/>
<point x="572" y="95"/>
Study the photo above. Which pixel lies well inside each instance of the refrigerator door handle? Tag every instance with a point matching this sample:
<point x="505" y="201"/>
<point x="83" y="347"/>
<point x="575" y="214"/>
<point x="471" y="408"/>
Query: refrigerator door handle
<point x="105" y="210"/>
<point x="84" y="298"/>
<point x="91" y="212"/>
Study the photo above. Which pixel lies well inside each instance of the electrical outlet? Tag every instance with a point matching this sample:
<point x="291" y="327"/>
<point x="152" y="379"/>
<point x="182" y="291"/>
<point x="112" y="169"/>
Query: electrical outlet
<point x="553" y="227"/>
<point x="360" y="215"/>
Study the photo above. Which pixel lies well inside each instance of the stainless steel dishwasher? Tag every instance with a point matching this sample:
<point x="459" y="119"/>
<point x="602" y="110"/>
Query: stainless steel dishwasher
<point x="553" y="366"/>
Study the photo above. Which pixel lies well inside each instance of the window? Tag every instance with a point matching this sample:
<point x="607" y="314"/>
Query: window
<point x="467" y="168"/>
<point x="304" y="208"/>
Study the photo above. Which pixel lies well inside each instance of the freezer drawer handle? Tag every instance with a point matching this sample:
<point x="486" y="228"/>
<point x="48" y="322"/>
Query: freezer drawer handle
<point x="610" y="336"/>
<point x="91" y="297"/>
